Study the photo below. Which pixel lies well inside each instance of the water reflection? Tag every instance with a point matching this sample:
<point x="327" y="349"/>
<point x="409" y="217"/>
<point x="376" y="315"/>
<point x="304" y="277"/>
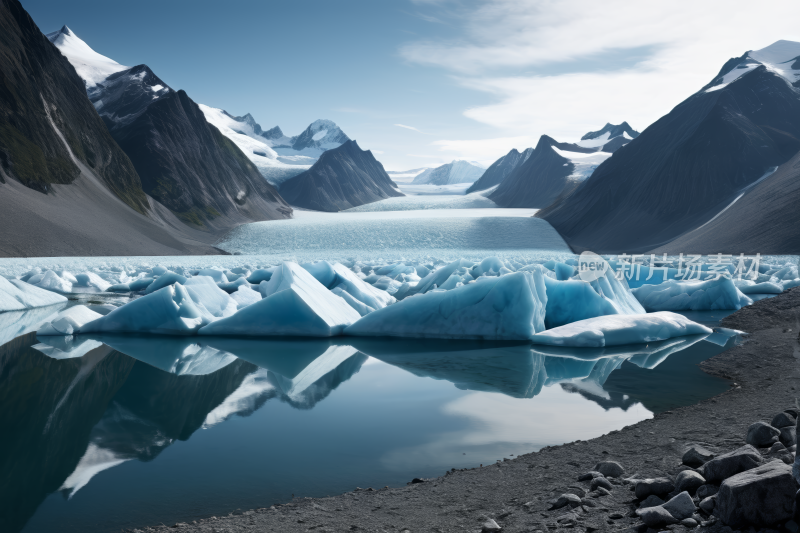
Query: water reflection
<point x="72" y="408"/>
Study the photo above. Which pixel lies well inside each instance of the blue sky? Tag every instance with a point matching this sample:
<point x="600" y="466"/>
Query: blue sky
<point x="474" y="79"/>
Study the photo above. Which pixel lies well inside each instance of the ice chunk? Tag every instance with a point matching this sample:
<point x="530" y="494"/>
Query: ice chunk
<point x="69" y="321"/>
<point x="362" y="308"/>
<point x="262" y="274"/>
<point x="295" y="303"/>
<point x="163" y="280"/>
<point x="206" y="294"/>
<point x="246" y="296"/>
<point x="16" y="295"/>
<point x="217" y="275"/>
<point x="615" y="330"/>
<point x="765" y="287"/>
<point x="67" y="347"/>
<point x="16" y="323"/>
<point x="233" y="286"/>
<point x="510" y="307"/>
<point x="140" y="284"/>
<point x="361" y="291"/>
<point x="676" y="295"/>
<point x="89" y="282"/>
<point x="789" y="284"/>
<point x="53" y="282"/>
<point x="438" y="277"/>
<point x="167" y="311"/>
<point x="322" y="271"/>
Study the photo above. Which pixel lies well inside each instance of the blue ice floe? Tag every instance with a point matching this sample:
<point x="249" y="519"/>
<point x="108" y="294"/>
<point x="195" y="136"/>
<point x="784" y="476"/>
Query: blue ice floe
<point x="676" y="295"/>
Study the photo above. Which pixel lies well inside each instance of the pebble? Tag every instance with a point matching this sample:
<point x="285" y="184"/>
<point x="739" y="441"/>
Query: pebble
<point x="609" y="468"/>
<point x="491" y="525"/>
<point x="601" y="482"/>
<point x="697" y="456"/>
<point x="689" y="481"/>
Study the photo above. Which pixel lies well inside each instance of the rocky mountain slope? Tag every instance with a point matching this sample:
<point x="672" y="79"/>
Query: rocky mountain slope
<point x="344" y="177"/>
<point x="184" y="162"/>
<point x="500" y="169"/>
<point x="458" y="171"/>
<point x="693" y="162"/>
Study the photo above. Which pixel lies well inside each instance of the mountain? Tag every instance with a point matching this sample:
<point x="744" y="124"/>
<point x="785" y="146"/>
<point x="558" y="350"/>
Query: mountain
<point x="693" y="162"/>
<point x="501" y="168"/>
<point x="763" y="219"/>
<point x="320" y="135"/>
<point x="184" y="162"/>
<point x="66" y="187"/>
<point x="551" y="169"/>
<point x="342" y="178"/>
<point x="458" y="171"/>
<point x="610" y="138"/>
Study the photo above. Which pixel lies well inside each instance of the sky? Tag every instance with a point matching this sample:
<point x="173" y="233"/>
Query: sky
<point x="423" y="82"/>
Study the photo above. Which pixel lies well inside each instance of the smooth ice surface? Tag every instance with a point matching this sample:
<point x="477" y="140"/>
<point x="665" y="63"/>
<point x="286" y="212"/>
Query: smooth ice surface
<point x="69" y="321"/>
<point x="676" y="295"/>
<point x="16" y="295"/>
<point x="245" y="296"/>
<point x="294" y="303"/>
<point x="510" y="307"/>
<point x="448" y="233"/>
<point x="168" y="311"/>
<point x="615" y="330"/>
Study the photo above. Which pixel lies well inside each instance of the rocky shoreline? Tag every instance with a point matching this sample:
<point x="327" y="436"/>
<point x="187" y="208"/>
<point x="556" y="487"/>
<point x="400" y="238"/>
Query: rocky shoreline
<point x="554" y="489"/>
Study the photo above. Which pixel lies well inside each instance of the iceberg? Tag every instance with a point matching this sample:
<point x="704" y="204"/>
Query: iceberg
<point x="167" y="311"/>
<point x="205" y="293"/>
<point x="16" y="295"/>
<point x="162" y="281"/>
<point x="676" y="295"/>
<point x="616" y="330"/>
<point x="67" y="347"/>
<point x="438" y="277"/>
<point x="69" y="321"/>
<point x="233" y="286"/>
<point x="217" y="275"/>
<point x="245" y="296"/>
<point x="363" y="309"/>
<point x="322" y="271"/>
<point x="790" y="283"/>
<point x="294" y="303"/>
<point x="53" y="282"/>
<point x="510" y="307"/>
<point x="765" y="287"/>
<point x="358" y="289"/>
<point x="14" y="324"/>
<point x="89" y="282"/>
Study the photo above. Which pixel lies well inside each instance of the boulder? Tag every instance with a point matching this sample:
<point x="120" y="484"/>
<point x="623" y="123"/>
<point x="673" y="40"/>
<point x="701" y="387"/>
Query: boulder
<point x="490" y="525"/>
<point x="681" y="506"/>
<point x="782" y="420"/>
<point x="708" y="504"/>
<point x="588" y="476"/>
<point x="689" y="481"/>
<point x="762" y="435"/>
<point x="697" y="456"/>
<point x="658" y="486"/>
<point x="651" y="501"/>
<point x="761" y="497"/>
<point x="609" y="468"/>
<point x="578" y="491"/>
<point x="706" y="490"/>
<point x="656" y="516"/>
<point x="601" y="482"/>
<point x="720" y="468"/>
<point x="788" y="436"/>
<point x="565" y="499"/>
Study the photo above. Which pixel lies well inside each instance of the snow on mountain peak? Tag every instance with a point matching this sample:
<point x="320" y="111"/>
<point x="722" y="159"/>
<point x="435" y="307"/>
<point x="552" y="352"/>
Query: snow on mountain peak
<point x="781" y="58"/>
<point x="321" y="134"/>
<point x="91" y="66"/>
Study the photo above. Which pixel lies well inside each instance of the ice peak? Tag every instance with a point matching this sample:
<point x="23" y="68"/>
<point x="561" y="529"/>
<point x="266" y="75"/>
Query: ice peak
<point x="781" y="58"/>
<point x="91" y="66"/>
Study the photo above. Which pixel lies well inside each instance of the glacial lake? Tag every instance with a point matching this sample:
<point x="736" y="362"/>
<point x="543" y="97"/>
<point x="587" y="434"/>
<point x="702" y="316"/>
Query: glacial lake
<point x="143" y="431"/>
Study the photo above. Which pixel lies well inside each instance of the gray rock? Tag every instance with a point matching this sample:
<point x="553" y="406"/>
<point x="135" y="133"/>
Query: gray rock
<point x="656" y="516"/>
<point x="609" y="468"/>
<point x="776" y="448"/>
<point x="588" y="503"/>
<point x="706" y="490"/>
<point x="788" y="436"/>
<point x="681" y="506"/>
<point x="600" y="492"/>
<point x="651" y="501"/>
<point x="588" y="476"/>
<point x="762" y="496"/>
<point x="697" y="456"/>
<point x="708" y="504"/>
<point x="601" y="482"/>
<point x="577" y="491"/>
<point x="491" y="525"/>
<point x="731" y="463"/>
<point x="689" y="522"/>
<point x="565" y="499"/>
<point x="646" y="487"/>
<point x="782" y="420"/>
<point x="689" y="481"/>
<point x="761" y="435"/>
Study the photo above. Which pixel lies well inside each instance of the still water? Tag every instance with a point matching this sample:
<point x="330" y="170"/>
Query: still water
<point x="141" y="431"/>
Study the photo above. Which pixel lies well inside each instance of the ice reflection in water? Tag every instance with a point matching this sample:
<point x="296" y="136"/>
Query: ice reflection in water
<point x="275" y="426"/>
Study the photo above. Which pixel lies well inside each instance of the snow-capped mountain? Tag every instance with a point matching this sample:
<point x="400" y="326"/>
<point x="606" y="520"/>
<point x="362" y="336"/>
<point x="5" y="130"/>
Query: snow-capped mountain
<point x="458" y="171"/>
<point x="688" y="166"/>
<point x="90" y="66"/>
<point x="500" y="169"/>
<point x="320" y="135"/>
<point x="344" y="177"/>
<point x="183" y="161"/>
<point x="609" y="138"/>
<point x="550" y="169"/>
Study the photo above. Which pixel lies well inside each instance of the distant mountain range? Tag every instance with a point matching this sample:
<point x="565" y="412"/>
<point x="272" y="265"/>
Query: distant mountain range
<point x="458" y="171"/>
<point x="342" y="178"/>
<point x="183" y="162"/>
<point x="500" y="169"/>
<point x="688" y="166"/>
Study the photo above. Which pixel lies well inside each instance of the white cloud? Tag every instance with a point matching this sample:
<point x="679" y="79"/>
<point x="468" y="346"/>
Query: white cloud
<point x="560" y="68"/>
<point x="412" y="128"/>
<point x="483" y="150"/>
